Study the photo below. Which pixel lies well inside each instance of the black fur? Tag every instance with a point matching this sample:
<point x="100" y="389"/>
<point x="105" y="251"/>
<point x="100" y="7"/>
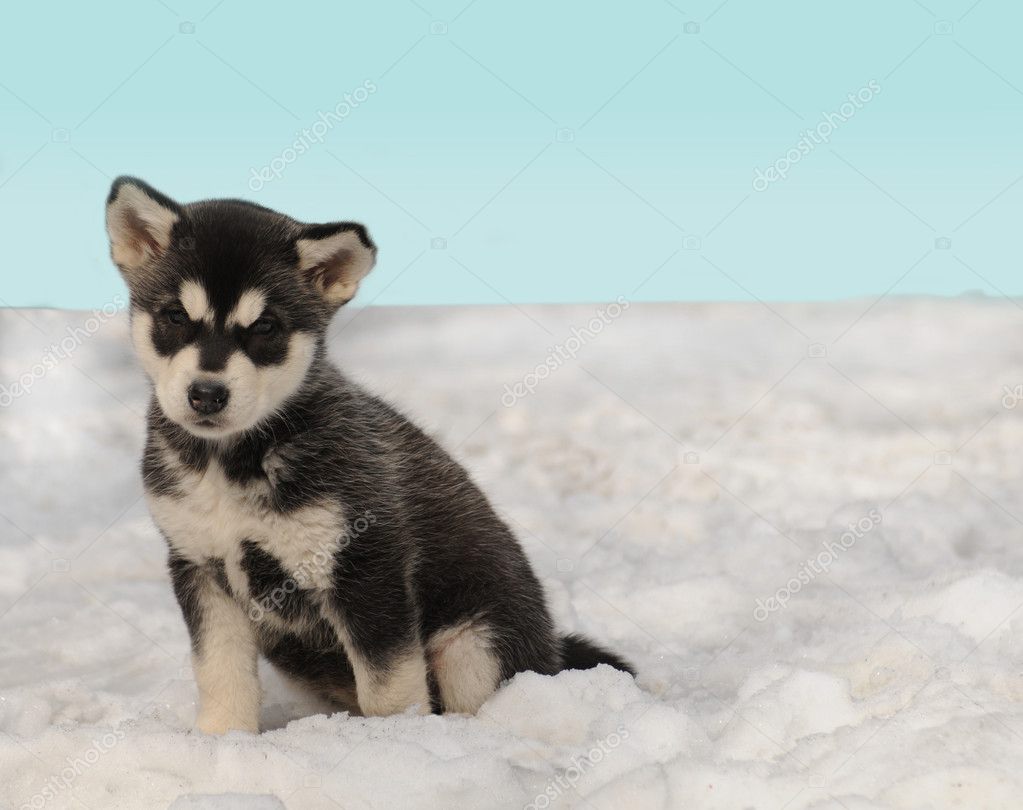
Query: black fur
<point x="269" y="586"/>
<point x="187" y="580"/>
<point x="578" y="652"/>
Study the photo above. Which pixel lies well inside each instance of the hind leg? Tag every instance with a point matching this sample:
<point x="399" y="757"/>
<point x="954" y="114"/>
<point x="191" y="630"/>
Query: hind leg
<point x="376" y="622"/>
<point x="464" y="665"/>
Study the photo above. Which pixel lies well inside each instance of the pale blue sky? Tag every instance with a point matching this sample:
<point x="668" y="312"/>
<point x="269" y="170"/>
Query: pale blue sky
<point x="535" y="151"/>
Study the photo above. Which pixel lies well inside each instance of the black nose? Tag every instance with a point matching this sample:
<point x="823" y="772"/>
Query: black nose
<point x="207" y="396"/>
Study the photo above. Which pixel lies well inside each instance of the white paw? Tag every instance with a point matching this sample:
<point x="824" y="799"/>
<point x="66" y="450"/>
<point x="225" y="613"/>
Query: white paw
<point x="216" y="721"/>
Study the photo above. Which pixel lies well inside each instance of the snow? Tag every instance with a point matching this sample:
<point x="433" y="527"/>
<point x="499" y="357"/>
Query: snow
<point x="802" y="524"/>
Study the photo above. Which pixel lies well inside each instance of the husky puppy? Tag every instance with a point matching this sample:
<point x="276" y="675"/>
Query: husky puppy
<point x="307" y="520"/>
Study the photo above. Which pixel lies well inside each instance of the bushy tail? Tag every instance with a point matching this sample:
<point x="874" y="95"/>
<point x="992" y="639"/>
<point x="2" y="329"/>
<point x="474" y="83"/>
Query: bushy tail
<point x="578" y="652"/>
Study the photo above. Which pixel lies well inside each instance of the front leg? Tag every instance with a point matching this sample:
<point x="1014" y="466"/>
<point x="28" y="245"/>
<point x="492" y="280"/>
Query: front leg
<point x="378" y="624"/>
<point x="224" y="650"/>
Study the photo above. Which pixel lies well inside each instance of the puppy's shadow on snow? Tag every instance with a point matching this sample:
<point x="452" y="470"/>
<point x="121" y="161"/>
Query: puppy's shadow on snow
<point x="285" y="701"/>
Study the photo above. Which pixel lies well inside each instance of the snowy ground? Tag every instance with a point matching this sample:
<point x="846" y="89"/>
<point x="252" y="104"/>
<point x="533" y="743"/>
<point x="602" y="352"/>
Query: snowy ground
<point x="814" y="561"/>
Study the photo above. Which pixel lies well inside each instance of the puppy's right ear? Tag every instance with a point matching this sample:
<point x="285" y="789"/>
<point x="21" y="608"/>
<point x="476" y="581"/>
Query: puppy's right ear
<point x="139" y="222"/>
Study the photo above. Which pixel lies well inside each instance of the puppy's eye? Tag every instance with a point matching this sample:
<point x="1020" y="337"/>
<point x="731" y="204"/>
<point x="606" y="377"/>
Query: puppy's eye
<point x="176" y="315"/>
<point x="263" y="326"/>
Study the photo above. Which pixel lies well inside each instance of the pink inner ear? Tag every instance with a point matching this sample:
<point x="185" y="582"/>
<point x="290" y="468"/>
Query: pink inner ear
<point x="331" y="271"/>
<point x="140" y="234"/>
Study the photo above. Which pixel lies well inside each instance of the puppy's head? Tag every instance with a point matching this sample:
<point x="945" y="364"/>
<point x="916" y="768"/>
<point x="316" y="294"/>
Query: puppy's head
<point x="229" y="301"/>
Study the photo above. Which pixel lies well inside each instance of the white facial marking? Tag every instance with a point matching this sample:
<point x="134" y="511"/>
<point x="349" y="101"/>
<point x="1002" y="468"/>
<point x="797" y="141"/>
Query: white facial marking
<point x="141" y="331"/>
<point x="255" y="392"/>
<point x="258" y="391"/>
<point x="249" y="307"/>
<point x="193" y="298"/>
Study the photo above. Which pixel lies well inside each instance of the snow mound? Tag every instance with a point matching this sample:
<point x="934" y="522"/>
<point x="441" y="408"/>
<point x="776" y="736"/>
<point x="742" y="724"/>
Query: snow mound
<point x="801" y="524"/>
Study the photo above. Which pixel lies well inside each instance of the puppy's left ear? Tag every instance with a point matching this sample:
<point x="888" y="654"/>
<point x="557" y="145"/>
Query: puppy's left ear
<point x="334" y="258"/>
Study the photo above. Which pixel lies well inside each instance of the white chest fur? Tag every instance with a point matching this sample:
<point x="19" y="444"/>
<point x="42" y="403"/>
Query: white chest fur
<point x="213" y="515"/>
